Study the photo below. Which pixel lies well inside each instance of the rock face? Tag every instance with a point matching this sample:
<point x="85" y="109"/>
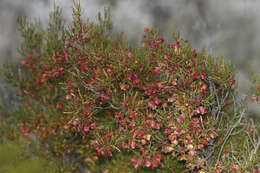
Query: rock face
<point x="8" y="96"/>
<point x="227" y="29"/>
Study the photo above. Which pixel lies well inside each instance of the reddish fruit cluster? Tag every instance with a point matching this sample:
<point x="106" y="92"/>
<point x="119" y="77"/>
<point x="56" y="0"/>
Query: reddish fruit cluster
<point x="147" y="161"/>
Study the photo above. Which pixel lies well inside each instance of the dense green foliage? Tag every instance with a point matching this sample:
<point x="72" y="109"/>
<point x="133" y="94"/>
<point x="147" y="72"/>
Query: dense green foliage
<point x="97" y="104"/>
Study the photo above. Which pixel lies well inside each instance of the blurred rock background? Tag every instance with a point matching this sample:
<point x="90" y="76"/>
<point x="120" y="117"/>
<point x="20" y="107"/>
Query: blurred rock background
<point x="229" y="28"/>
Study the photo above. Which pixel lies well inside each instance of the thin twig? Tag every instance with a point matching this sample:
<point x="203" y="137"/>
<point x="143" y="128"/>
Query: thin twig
<point x="227" y="136"/>
<point x="257" y="147"/>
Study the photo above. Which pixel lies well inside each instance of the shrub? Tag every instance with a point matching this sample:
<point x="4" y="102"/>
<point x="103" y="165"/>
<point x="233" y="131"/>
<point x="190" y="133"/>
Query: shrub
<point x="98" y="104"/>
<point x="256" y="89"/>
